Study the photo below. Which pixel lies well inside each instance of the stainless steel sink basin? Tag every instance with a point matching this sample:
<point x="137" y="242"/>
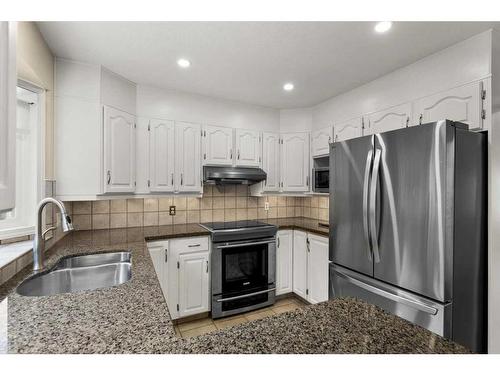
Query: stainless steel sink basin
<point x="83" y="272"/>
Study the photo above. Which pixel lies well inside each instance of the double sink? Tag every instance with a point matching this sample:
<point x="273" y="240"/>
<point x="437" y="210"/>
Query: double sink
<point x="78" y="273"/>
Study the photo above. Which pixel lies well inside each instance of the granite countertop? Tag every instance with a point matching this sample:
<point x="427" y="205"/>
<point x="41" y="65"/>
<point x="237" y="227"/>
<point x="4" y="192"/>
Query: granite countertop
<point x="134" y="318"/>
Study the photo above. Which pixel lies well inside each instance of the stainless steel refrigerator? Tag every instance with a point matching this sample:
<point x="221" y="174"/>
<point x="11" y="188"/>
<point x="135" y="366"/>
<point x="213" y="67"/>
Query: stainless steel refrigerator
<point x="408" y="226"/>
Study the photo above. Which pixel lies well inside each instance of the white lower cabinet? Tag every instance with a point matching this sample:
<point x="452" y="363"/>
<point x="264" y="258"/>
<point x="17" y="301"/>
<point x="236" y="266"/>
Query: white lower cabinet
<point x="159" y="255"/>
<point x="193" y="283"/>
<point x="300" y="263"/>
<point x="284" y="263"/>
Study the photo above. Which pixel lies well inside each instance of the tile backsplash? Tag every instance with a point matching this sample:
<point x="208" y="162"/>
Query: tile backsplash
<point x="217" y="204"/>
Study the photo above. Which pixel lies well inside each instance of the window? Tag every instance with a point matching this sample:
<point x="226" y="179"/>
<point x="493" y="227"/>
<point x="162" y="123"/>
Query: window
<point x="21" y="220"/>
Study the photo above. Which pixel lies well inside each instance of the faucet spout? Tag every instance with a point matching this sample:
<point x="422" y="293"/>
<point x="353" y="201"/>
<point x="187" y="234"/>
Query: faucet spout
<point x="39" y="241"/>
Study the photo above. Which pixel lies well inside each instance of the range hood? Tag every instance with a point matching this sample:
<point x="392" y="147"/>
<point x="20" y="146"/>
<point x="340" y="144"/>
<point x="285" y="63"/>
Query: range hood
<point x="232" y="175"/>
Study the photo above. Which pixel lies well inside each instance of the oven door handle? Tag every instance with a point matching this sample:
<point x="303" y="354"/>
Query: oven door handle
<point x="246" y="295"/>
<point x="246" y="244"/>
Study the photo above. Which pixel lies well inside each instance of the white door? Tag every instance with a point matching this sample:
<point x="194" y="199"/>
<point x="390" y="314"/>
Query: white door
<point x="248" y="148"/>
<point x="217" y="145"/>
<point x="348" y="129"/>
<point x="389" y="119"/>
<point x="193" y="283"/>
<point x="161" y="155"/>
<point x="284" y="264"/>
<point x="295" y="161"/>
<point x="317" y="269"/>
<point x="271" y="161"/>
<point x="8" y="82"/>
<point x="159" y="256"/>
<point x="300" y="263"/>
<point x="187" y="157"/>
<point x="462" y="104"/>
<point x="320" y="142"/>
<point x="119" y="151"/>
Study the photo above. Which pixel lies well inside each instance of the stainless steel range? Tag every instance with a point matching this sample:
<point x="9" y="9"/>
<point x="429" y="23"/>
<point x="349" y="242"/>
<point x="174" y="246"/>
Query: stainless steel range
<point x="243" y="266"/>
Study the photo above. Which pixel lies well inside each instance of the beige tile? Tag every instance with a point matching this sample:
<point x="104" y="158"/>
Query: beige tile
<point x="135" y="205"/>
<point x="272" y="213"/>
<point x="306" y="211"/>
<point x="315" y="202"/>
<point x="180" y="203"/>
<point x="118" y="220"/>
<point x="307" y="202"/>
<point x="82" y="207"/>
<point x="218" y="215"/>
<point x="229" y="214"/>
<point x="180" y="217"/>
<point x="324" y="202"/>
<point x="193" y="203"/>
<point x="135" y="219"/>
<point x="193" y="216"/>
<point x="150" y="205"/>
<point x="314" y="212"/>
<point x="241" y="202"/>
<point x="205" y="216"/>
<point x="218" y="191"/>
<point x="150" y="219"/>
<point x="323" y="214"/>
<point x="198" y="331"/>
<point x="118" y="205"/>
<point x="195" y="324"/>
<point x="241" y="214"/>
<point x="252" y="213"/>
<point x="281" y="201"/>
<point x="285" y="308"/>
<point x="217" y="203"/>
<point x="206" y="203"/>
<point x="241" y="190"/>
<point x="259" y="314"/>
<point x="165" y="203"/>
<point x="207" y="190"/>
<point x="273" y="201"/>
<point x="261" y="213"/>
<point x="252" y="202"/>
<point x="8" y="271"/>
<point x="24" y="261"/>
<point x="164" y="218"/>
<point x="261" y="201"/>
<point x="299" y="211"/>
<point x="281" y="212"/>
<point x="290" y="212"/>
<point x="222" y="323"/>
<point x="230" y="202"/>
<point x="100" y="221"/>
<point x="82" y="222"/>
<point x="69" y="207"/>
<point x="229" y="191"/>
<point x="290" y="201"/>
<point x="100" y="207"/>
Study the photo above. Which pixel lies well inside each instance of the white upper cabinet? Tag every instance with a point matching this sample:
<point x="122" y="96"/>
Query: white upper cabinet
<point x="462" y="104"/>
<point x="317" y="269"/>
<point x="248" y="148"/>
<point x="347" y="130"/>
<point x="217" y="145"/>
<point x="187" y="157"/>
<point x="161" y="155"/>
<point x="8" y="82"/>
<point x="295" y="162"/>
<point x="284" y="262"/>
<point x="271" y="161"/>
<point x="389" y="119"/>
<point x="119" y="151"/>
<point x="320" y="142"/>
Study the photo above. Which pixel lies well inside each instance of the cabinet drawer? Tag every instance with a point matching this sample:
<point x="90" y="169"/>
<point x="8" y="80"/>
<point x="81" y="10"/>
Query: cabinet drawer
<point x="191" y="244"/>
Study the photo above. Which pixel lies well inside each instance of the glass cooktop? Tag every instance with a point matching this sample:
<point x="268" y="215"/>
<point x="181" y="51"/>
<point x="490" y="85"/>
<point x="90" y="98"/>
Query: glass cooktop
<point x="241" y="224"/>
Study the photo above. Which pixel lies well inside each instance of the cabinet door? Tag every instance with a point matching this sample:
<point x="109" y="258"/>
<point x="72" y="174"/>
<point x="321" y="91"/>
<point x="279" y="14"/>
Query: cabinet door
<point x="161" y="155"/>
<point x="159" y="256"/>
<point x="295" y="161"/>
<point x="119" y="151"/>
<point x="462" y="104"/>
<point x="284" y="264"/>
<point x="187" y="157"/>
<point x="271" y="161"/>
<point x="320" y="142"/>
<point x="300" y="263"/>
<point x="317" y="269"/>
<point x="389" y="119"/>
<point x="217" y="145"/>
<point x="248" y="148"/>
<point x="348" y="130"/>
<point x="193" y="283"/>
<point x="8" y="80"/>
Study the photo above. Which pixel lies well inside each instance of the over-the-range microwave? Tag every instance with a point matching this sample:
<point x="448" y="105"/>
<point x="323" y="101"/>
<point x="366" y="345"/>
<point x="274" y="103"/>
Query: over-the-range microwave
<point x="321" y="179"/>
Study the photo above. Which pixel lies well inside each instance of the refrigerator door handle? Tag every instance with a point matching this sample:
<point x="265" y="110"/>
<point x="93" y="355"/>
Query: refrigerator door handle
<point x="373" y="206"/>
<point x="393" y="297"/>
<point x="366" y="183"/>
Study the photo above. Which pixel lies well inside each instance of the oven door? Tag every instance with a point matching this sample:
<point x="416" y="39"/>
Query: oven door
<point x="321" y="180"/>
<point x="243" y="276"/>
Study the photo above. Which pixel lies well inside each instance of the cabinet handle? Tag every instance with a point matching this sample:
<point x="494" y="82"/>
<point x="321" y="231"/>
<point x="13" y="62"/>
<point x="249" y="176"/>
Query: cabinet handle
<point x="166" y="255"/>
<point x="278" y="242"/>
<point x="238" y="154"/>
<point x="109" y="177"/>
<point x="231" y="154"/>
<point x="307" y="181"/>
<point x="172" y="179"/>
<point x="197" y="245"/>
<point x="182" y="178"/>
<point x="420" y="118"/>
<point x="207" y="266"/>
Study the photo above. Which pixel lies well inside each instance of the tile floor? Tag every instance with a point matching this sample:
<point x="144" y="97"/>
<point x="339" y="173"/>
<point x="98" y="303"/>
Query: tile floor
<point x="206" y="325"/>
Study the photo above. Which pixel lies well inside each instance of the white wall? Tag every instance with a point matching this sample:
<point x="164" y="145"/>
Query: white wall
<point x="175" y="105"/>
<point x="461" y="63"/>
<point x="296" y="120"/>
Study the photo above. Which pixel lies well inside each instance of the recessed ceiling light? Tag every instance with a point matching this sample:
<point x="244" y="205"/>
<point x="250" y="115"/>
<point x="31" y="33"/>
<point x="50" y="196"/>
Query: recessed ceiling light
<point x="184" y="63"/>
<point x="288" y="86"/>
<point x="382" y="27"/>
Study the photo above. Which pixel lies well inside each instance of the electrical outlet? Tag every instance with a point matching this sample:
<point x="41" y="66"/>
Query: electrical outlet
<point x="266" y="206"/>
<point x="172" y="210"/>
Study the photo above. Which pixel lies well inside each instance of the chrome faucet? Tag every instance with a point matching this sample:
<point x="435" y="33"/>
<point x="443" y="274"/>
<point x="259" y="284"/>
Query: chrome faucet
<point x="39" y="241"/>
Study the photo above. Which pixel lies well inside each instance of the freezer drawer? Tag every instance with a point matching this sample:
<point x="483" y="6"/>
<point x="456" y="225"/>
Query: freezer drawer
<point x="435" y="317"/>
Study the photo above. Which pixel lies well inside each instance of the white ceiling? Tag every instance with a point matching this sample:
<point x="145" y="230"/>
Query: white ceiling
<point x="250" y="61"/>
